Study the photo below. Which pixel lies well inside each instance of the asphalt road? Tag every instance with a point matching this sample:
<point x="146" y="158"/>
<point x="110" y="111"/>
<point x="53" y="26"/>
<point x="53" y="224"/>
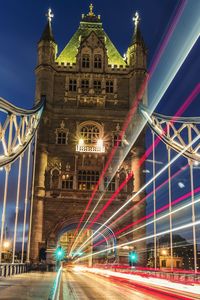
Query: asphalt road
<point x="28" y="286"/>
<point x="83" y="286"/>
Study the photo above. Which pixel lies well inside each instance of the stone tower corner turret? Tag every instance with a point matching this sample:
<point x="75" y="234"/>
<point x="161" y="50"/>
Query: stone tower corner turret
<point x="47" y="47"/>
<point x="137" y="51"/>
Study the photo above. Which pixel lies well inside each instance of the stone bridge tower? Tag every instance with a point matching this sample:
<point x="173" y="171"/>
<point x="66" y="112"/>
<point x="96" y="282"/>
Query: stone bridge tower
<point x="89" y="89"/>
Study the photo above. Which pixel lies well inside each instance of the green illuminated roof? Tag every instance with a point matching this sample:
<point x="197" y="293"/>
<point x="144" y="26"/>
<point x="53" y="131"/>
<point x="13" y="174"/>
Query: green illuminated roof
<point x="89" y="24"/>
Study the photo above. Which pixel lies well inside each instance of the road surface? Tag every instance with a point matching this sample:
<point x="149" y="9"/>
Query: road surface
<point x="86" y="286"/>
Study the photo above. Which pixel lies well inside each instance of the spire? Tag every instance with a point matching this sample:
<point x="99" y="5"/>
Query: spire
<point x="47" y="34"/>
<point x="91" y="17"/>
<point x="137" y="36"/>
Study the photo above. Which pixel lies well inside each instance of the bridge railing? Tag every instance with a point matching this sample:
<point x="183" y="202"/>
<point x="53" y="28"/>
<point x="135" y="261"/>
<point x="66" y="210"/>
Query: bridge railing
<point x="13" y="269"/>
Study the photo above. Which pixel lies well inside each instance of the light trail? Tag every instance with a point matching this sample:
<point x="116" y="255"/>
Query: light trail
<point x="146" y="281"/>
<point x="159" y="210"/>
<point x="136" y="101"/>
<point x="180" y="111"/>
<point x="163" y="216"/>
<point x="144" y="187"/>
<point x="139" y="96"/>
<point x="122" y="185"/>
<point x="178" y="200"/>
<point x="185" y="226"/>
<point x="146" y="197"/>
<point x="181" y="49"/>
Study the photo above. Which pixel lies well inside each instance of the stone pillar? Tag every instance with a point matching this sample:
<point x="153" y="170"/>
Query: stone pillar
<point x="140" y="210"/>
<point x="38" y="204"/>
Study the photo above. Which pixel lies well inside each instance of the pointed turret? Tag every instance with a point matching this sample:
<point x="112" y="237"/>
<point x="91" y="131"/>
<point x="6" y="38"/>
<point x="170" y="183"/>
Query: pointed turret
<point x="137" y="50"/>
<point x="47" y="47"/>
<point x="47" y="50"/>
<point x="47" y="34"/>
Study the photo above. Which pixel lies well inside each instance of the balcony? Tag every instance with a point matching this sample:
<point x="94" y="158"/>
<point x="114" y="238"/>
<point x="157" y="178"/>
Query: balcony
<point x="98" y="148"/>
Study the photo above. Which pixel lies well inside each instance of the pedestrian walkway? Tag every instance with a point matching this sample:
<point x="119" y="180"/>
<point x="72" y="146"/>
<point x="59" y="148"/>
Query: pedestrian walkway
<point x="34" y="286"/>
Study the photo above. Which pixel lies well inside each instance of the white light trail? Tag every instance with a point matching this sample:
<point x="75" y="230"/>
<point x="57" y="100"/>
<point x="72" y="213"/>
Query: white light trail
<point x="178" y="47"/>
<point x="142" y="239"/>
<point x="142" y="189"/>
<point x="161" y="217"/>
<point x="173" y="286"/>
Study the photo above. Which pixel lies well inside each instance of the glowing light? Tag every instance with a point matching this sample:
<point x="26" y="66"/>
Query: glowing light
<point x="164" y="252"/>
<point x="99" y="143"/>
<point x="181" y="184"/>
<point x="81" y="142"/>
<point x="6" y="244"/>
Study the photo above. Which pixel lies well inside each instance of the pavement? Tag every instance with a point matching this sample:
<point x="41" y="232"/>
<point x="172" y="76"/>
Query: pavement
<point x="35" y="286"/>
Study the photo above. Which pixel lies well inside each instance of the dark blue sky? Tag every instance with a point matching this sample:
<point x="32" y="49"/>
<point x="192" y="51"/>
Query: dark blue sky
<point x="22" y="23"/>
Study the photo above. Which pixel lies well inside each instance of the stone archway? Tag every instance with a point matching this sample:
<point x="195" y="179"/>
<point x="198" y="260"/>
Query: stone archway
<point x="67" y="227"/>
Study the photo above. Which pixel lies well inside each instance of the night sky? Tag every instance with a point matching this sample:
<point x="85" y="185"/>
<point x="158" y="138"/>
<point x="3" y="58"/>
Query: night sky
<point x="22" y="23"/>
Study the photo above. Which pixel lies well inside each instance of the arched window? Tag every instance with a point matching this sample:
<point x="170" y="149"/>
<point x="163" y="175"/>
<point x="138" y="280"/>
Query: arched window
<point x="87" y="180"/>
<point x="62" y="134"/>
<point x="97" y="61"/>
<point x="55" y="179"/>
<point x="90" y="133"/>
<point x="67" y="182"/>
<point x="85" y="61"/>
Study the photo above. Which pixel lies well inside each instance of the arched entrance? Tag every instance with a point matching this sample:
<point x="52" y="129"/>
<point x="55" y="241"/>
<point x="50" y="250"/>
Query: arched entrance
<point x="63" y="235"/>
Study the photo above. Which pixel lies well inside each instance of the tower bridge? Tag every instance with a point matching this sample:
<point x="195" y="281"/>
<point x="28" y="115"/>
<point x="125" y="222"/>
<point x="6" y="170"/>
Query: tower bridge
<point x="83" y="149"/>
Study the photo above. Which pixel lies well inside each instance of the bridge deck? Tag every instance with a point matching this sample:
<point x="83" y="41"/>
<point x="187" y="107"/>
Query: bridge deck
<point x="35" y="285"/>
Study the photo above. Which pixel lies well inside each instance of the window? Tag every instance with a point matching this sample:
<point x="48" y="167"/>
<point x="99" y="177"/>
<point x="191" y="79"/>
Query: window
<point x="87" y="180"/>
<point x="97" y="86"/>
<point x="72" y="85"/>
<point x="85" y="61"/>
<point x="90" y="133"/>
<point x="117" y="141"/>
<point x="109" y="86"/>
<point x="109" y="186"/>
<point x="85" y="85"/>
<point x="55" y="179"/>
<point x="97" y="61"/>
<point x="61" y="138"/>
<point x="67" y="182"/>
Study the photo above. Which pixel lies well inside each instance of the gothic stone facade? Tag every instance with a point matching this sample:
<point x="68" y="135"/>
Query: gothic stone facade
<point x="89" y="91"/>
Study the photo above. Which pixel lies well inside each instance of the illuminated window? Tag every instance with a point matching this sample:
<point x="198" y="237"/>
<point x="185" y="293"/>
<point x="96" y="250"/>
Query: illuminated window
<point x="109" y="186"/>
<point x="97" y="61"/>
<point x="109" y="86"/>
<point x="72" y="85"/>
<point x="90" y="134"/>
<point x="67" y="182"/>
<point x="87" y="180"/>
<point x="85" y="85"/>
<point x="85" y="61"/>
<point x="97" y="86"/>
